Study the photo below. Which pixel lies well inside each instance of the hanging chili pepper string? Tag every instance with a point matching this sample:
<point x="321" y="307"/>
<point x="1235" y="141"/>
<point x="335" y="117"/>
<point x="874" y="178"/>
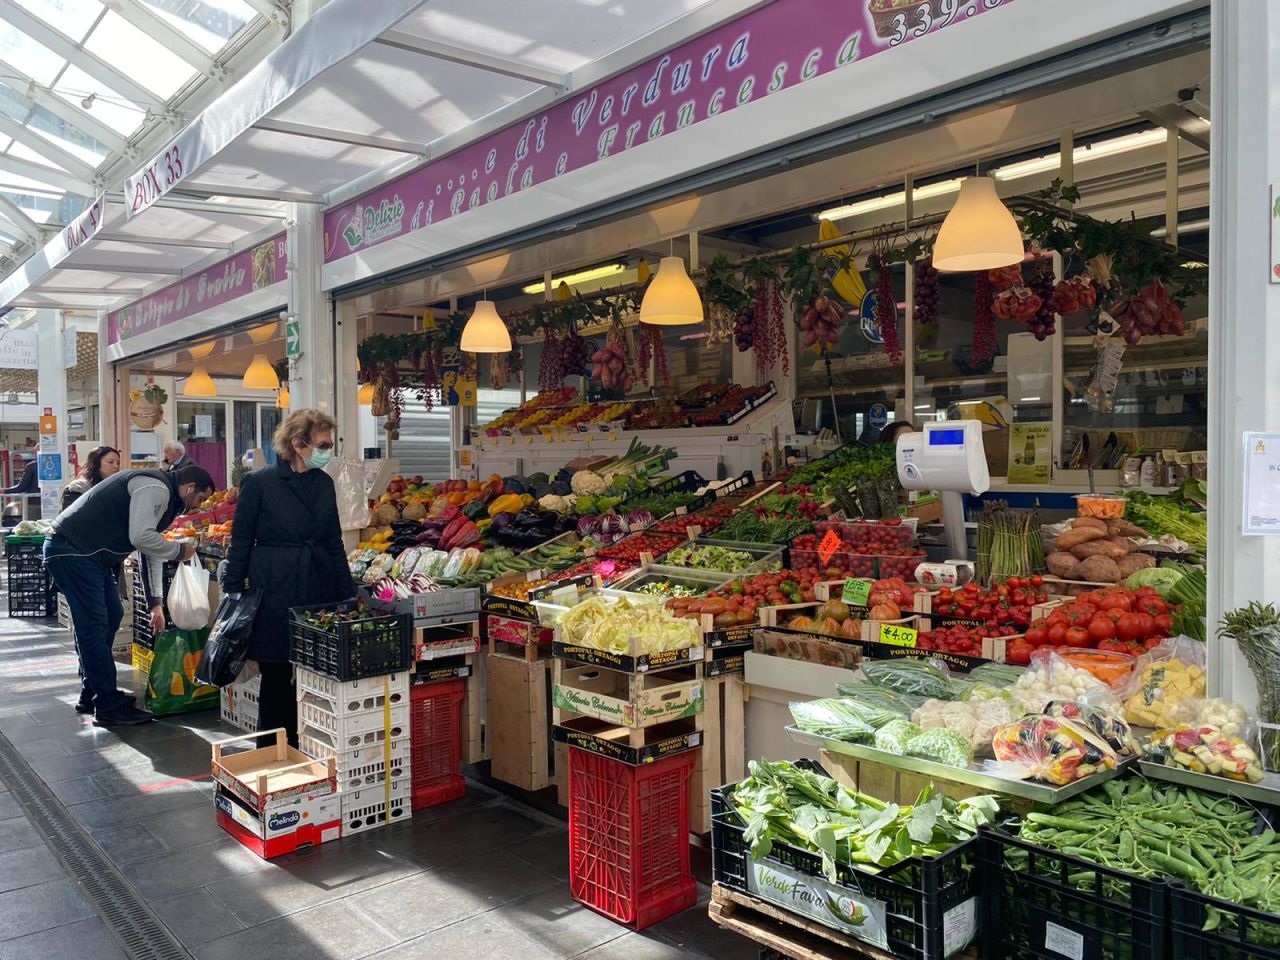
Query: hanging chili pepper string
<point x="984" y="325"/>
<point x="886" y="311"/>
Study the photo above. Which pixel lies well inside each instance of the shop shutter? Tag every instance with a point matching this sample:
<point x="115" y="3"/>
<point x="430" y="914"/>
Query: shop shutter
<point x="423" y="447"/>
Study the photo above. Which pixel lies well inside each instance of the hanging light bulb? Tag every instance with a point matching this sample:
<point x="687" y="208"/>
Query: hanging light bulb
<point x="485" y="332"/>
<point x="202" y="351"/>
<point x="979" y="233"/>
<point x="260" y="375"/>
<point x="261" y="335"/>
<point x="364" y="396"/>
<point x="282" y="398"/>
<point x="199" y="384"/>
<point x="671" y="300"/>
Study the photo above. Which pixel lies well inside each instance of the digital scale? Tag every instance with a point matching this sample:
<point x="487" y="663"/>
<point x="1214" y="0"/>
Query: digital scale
<point x="948" y="457"/>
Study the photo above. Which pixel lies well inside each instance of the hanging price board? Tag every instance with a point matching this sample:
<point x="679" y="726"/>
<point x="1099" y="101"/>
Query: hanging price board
<point x="829" y="545"/>
<point x="897" y="636"/>
<point x="856" y="592"/>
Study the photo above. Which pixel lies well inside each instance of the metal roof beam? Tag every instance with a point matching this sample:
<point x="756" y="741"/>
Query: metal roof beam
<point x="272" y="11"/>
<point x="110" y="237"/>
<point x="162" y="32"/>
<point x="339" y="136"/>
<point x="473" y="58"/>
<point x="23" y="225"/>
<point x="67" y="160"/>
<point x="40" y="290"/>
<point x="50" y="175"/>
<point x="115" y="268"/>
<point x="80" y="119"/>
<point x="67" y="48"/>
<point x="284" y="196"/>
<point x="204" y="206"/>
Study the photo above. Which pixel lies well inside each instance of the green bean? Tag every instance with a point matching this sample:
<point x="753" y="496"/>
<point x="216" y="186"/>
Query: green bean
<point x="1174" y="866"/>
<point x="1159" y="829"/>
<point x="1126" y="846"/>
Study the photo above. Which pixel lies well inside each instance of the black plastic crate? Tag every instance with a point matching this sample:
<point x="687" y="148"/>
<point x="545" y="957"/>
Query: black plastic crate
<point x="37" y="601"/>
<point x="141" y="614"/>
<point x="23" y="546"/>
<point x="1041" y="904"/>
<point x="1241" y="933"/>
<point x="921" y="897"/>
<point x="369" y="647"/>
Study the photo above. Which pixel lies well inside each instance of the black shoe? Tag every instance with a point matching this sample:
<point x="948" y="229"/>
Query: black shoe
<point x="85" y="704"/>
<point x="125" y="715"/>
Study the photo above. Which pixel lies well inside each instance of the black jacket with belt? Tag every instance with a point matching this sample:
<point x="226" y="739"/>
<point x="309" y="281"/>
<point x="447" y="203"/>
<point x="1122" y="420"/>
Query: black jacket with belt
<point x="287" y="542"/>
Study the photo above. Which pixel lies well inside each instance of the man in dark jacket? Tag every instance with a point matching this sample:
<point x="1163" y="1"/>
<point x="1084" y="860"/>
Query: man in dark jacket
<point x="124" y="513"/>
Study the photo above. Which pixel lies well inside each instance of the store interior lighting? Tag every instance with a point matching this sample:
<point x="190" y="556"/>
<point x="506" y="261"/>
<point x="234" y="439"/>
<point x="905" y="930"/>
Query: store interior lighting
<point x="260" y="375"/>
<point x="671" y="300"/>
<point x="282" y="398"/>
<point x="364" y="396"/>
<point x="202" y="351"/>
<point x="583" y="276"/>
<point x="199" y="384"/>
<point x="979" y="233"/>
<point x="261" y="335"/>
<point x="485" y="332"/>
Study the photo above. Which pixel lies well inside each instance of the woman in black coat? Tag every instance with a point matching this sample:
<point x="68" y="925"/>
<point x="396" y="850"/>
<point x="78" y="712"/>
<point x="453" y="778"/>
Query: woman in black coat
<point x="286" y="541"/>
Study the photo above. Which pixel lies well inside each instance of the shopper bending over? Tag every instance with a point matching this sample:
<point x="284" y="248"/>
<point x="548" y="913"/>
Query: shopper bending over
<point x="101" y="463"/>
<point x="90" y="540"/>
<point x="286" y="541"/>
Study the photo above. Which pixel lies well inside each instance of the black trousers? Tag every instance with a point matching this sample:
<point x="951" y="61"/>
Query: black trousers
<point x="277" y="700"/>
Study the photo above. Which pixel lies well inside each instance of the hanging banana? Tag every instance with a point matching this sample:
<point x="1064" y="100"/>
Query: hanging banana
<point x="848" y="282"/>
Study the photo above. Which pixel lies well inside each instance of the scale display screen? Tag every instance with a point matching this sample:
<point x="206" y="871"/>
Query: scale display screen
<point x="946" y="438"/>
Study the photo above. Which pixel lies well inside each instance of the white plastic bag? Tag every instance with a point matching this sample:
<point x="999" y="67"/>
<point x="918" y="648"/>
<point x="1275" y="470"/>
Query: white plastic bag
<point x="189" y="596"/>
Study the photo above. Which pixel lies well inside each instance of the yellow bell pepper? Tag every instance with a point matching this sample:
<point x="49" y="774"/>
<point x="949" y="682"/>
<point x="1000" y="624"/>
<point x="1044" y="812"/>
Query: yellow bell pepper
<point x="507" y="503"/>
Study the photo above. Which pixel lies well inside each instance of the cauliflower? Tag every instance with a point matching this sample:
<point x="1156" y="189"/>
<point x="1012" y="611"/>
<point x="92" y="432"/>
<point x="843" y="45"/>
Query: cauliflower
<point x="557" y="503"/>
<point x="976" y="721"/>
<point x="584" y="481"/>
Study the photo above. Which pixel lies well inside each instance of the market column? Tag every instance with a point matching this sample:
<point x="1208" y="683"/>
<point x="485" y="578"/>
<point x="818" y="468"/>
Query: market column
<point x="1244" y="315"/>
<point x="309" y="332"/>
<point x="51" y="399"/>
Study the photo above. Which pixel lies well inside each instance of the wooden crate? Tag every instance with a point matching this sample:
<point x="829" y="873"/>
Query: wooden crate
<point x="519" y="720"/>
<point x="627" y="699"/>
<point x="724" y="753"/>
<point x="474" y="709"/>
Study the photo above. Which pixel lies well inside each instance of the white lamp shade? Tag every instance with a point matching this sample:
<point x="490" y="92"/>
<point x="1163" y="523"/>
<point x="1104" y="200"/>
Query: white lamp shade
<point x="979" y="232"/>
<point x="671" y="300"/>
<point x="282" y="398"/>
<point x="485" y="332"/>
<point x="264" y="333"/>
<point x="260" y="375"/>
<point x="364" y="396"/>
<point x="202" y="351"/>
<point x="199" y="384"/>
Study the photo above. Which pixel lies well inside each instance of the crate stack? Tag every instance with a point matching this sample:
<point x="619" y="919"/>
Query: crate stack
<point x="446" y="707"/>
<point x="31" y="593"/>
<point x="352" y="679"/>
<point x="633" y="725"/>
<point x="240" y="704"/>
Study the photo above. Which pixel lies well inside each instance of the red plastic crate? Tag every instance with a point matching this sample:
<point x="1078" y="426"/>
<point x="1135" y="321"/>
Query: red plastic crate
<point x="435" y="742"/>
<point x="629" y="836"/>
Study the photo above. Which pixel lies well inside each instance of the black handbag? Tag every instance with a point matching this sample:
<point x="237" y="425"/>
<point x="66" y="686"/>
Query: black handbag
<point x="228" y="645"/>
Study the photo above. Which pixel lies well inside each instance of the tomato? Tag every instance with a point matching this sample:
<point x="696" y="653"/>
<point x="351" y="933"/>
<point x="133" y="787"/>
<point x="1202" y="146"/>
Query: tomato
<point x="1164" y="625"/>
<point x="1037" y="636"/>
<point x="1152" y="642"/>
<point x="1058" y="634"/>
<point x="1153" y="606"/>
<point x="1018" y="652"/>
<point x="1117" y="602"/>
<point x="1128" y="627"/>
<point x="1101" y="628"/>
<point x="1078" y="637"/>
<point x="1037" y="581"/>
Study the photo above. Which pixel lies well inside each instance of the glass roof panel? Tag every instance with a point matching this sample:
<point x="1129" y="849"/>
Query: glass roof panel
<point x="210" y="23"/>
<point x="62" y="134"/>
<point x="13" y="104"/>
<point x="108" y="107"/>
<point x="40" y="209"/>
<point x="15" y="181"/>
<point x="72" y="17"/>
<point x="33" y="59"/>
<point x="138" y="56"/>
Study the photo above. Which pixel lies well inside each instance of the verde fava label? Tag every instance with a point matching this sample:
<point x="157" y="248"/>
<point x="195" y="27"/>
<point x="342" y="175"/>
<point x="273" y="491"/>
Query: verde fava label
<point x="840" y="908"/>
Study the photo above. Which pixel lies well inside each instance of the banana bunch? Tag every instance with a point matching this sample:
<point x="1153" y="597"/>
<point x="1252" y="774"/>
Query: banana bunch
<point x="848" y="282"/>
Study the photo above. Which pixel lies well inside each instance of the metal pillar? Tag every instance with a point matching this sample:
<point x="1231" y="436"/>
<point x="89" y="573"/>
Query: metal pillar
<point x="51" y="398"/>
<point x="312" y="372"/>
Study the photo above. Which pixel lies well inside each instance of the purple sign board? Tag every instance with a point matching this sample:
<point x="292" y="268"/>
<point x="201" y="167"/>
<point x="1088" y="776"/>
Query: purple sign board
<point x="247" y="271"/>
<point x="770" y="49"/>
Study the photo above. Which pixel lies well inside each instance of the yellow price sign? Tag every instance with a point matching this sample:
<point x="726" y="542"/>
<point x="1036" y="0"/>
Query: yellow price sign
<point x="898" y="636"/>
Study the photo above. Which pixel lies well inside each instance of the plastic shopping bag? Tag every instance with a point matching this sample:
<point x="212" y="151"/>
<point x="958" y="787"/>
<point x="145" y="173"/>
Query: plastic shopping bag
<point x="189" y="596"/>
<point x="228" y="644"/>
<point x="172" y="686"/>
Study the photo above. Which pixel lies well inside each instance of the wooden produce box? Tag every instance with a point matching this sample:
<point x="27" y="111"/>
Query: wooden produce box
<point x="519" y="720"/>
<point x="724" y="749"/>
<point x="810" y="647"/>
<point x="627" y="699"/>
<point x="271" y="775"/>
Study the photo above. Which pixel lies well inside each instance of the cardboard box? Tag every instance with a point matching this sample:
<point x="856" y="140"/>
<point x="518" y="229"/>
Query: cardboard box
<point x="301" y="821"/>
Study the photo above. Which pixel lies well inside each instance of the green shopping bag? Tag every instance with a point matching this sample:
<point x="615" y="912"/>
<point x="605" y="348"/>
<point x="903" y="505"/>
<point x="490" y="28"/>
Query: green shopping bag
<point x="171" y="681"/>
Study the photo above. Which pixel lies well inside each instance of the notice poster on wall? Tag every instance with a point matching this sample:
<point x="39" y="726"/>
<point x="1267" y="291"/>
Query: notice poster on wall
<point x="1029" y="452"/>
<point x="1261" y="484"/>
<point x="203" y="425"/>
<point x="1274" y="207"/>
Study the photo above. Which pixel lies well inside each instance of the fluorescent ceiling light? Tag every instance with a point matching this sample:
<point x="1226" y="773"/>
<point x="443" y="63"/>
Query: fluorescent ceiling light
<point x="1195" y="226"/>
<point x="890" y="200"/>
<point x="1083" y="154"/>
<point x="595" y="273"/>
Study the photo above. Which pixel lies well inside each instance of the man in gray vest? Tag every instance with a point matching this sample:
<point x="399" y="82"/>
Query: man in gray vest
<point x="124" y="513"/>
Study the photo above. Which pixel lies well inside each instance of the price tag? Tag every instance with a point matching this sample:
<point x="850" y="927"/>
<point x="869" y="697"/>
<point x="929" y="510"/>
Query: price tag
<point x="829" y="545"/>
<point x="857" y="592"/>
<point x="898" y="636"/>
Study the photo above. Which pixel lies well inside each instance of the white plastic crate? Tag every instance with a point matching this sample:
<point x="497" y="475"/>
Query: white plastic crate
<point x="367" y="809"/>
<point x="356" y="729"/>
<point x="64" y="613"/>
<point x="358" y="768"/>
<point x="240" y="704"/>
<point x="343" y="698"/>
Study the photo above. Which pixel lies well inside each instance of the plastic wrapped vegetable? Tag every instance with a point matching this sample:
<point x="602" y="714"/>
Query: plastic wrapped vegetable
<point x="1103" y="723"/>
<point x="1227" y="715"/>
<point x="870" y="695"/>
<point x="895" y="735"/>
<point x="831" y="718"/>
<point x="975" y="720"/>
<point x="940" y="746"/>
<point x="1204" y="750"/>
<point x="1052" y="678"/>
<point x="1166" y="676"/>
<point x="1052" y="750"/>
<point x="924" y="678"/>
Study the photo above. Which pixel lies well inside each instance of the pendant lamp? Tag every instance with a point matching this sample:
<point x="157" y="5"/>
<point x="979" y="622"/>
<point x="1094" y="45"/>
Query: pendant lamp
<point x="485" y="332"/>
<point x="979" y="232"/>
<point x="671" y="300"/>
<point x="364" y="396"/>
<point x="260" y="375"/>
<point x="199" y="384"/>
<point x="282" y="398"/>
<point x="202" y="351"/>
<point x="264" y="333"/>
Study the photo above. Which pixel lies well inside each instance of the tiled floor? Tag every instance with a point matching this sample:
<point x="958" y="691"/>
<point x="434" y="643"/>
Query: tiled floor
<point x="483" y="877"/>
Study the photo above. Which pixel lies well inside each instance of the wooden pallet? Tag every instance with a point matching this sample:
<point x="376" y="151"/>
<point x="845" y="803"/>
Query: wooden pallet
<point x="783" y="932"/>
<point x="519" y="720"/>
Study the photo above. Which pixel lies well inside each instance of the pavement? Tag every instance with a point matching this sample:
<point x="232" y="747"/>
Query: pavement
<point x="485" y="876"/>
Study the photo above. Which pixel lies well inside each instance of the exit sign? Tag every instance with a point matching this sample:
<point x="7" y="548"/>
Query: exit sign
<point x="292" y="337"/>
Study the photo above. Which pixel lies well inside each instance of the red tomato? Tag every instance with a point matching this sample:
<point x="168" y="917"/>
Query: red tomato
<point x="1153" y="606"/>
<point x="1128" y="627"/>
<point x="1164" y="625"/>
<point x="1058" y="634"/>
<point x="1018" y="652"/>
<point x="1101" y="628"/>
<point x="1146" y="624"/>
<point x="1117" y="602"/>
<point x="1037" y="636"/>
<point x="1078" y="637"/>
<point x="1152" y="642"/>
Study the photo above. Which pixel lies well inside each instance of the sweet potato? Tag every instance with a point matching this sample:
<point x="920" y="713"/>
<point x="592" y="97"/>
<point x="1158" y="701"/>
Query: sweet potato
<point x="1079" y="523"/>
<point x="1119" y="527"/>
<point x="1097" y="570"/>
<point x="1098" y="548"/>
<point x="1076" y="536"/>
<point x="1061" y="564"/>
<point x="1121" y="543"/>
<point x="1131" y="564"/>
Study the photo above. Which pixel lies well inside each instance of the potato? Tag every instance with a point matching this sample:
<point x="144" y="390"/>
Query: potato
<point x="1061" y="564"/>
<point x="1097" y="570"/>
<point x="1079" y="523"/>
<point x="1131" y="564"/>
<point x="1076" y="536"/>
<point x="1098" y="548"/>
<point x="1119" y="527"/>
<point x="1121" y="543"/>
